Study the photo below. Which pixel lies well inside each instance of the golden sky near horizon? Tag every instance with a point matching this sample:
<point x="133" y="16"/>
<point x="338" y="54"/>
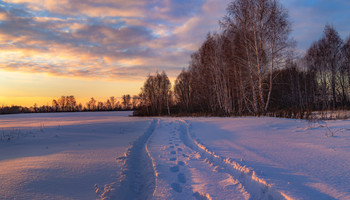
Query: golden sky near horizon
<point x="27" y="89"/>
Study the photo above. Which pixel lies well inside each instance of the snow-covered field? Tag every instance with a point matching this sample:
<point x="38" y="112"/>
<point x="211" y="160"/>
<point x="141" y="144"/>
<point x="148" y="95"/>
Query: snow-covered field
<point x="113" y="156"/>
<point x="63" y="155"/>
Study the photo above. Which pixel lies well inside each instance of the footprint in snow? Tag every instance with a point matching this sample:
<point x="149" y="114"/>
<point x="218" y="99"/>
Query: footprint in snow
<point x="174" y="168"/>
<point x="176" y="187"/>
<point x="182" y="163"/>
<point x="181" y="178"/>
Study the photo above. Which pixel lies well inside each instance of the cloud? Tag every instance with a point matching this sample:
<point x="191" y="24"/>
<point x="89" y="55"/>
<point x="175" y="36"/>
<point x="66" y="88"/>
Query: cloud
<point x="103" y="38"/>
<point x="118" y="39"/>
<point x="101" y="8"/>
<point x="193" y="32"/>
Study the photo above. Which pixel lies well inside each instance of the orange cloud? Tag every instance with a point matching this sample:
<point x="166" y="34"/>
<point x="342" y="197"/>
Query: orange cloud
<point x="102" y="8"/>
<point x="105" y="39"/>
<point x="107" y="46"/>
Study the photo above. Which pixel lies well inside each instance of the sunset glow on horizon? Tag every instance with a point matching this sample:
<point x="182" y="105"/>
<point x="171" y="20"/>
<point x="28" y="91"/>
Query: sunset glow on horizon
<point x="107" y="48"/>
<point x="28" y="89"/>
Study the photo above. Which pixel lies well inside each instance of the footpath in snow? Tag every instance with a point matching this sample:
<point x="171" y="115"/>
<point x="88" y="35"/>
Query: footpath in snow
<point x="181" y="168"/>
<point x="113" y="156"/>
<point x="244" y="158"/>
<point x="190" y="171"/>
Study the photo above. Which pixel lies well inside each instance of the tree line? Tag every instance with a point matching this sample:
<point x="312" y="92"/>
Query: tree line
<point x="69" y="104"/>
<point x="249" y="68"/>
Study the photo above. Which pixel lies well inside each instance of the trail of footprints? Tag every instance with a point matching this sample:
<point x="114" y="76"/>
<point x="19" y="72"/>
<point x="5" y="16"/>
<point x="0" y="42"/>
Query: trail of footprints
<point x="184" y="173"/>
<point x="178" y="156"/>
<point x="175" y="150"/>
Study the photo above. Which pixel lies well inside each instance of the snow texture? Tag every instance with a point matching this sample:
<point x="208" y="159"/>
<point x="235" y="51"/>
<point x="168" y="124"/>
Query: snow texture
<point x="113" y="156"/>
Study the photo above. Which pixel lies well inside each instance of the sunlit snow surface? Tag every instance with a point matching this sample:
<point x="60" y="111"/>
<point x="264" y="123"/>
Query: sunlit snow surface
<point x="64" y="160"/>
<point x="109" y="155"/>
<point x="301" y="159"/>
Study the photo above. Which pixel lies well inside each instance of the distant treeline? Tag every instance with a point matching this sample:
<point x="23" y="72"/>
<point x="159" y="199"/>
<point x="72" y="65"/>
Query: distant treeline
<point x="249" y="68"/>
<point x="69" y="104"/>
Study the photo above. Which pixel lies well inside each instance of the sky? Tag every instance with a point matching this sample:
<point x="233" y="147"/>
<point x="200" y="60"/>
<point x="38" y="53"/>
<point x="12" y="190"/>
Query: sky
<point x="103" y="48"/>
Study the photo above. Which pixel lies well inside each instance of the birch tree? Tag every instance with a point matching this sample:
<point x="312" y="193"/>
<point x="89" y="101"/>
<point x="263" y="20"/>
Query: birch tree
<point x="264" y="29"/>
